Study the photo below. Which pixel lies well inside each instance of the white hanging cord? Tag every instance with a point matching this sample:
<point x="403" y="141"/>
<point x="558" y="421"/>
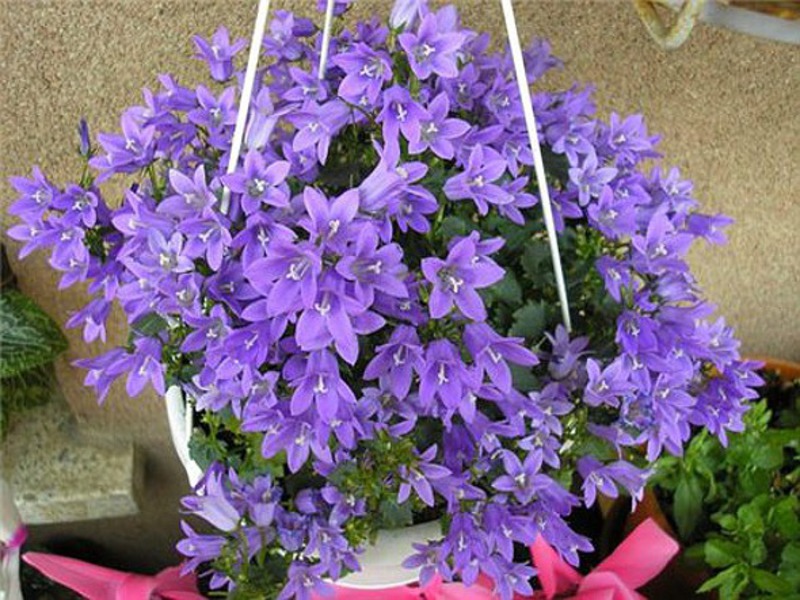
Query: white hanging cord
<point x="530" y="122"/>
<point x="247" y="93"/>
<point x="326" y="40"/>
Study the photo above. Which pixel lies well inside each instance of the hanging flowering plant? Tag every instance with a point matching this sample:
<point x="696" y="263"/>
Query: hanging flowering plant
<point x="369" y="331"/>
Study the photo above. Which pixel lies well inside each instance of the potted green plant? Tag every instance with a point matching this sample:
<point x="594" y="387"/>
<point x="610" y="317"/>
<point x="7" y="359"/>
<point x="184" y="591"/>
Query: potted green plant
<point x="362" y="312"/>
<point x="736" y="507"/>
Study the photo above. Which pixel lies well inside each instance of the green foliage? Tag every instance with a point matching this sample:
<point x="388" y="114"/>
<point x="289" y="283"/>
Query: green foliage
<point x="29" y="341"/>
<point x="740" y="505"/>
<point x="29" y="338"/>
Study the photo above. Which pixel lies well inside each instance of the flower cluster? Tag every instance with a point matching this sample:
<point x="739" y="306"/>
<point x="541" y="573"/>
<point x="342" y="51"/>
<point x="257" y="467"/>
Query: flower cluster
<point x="373" y="320"/>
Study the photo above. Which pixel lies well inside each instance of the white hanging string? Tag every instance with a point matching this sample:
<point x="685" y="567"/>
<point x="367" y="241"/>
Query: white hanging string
<point x="533" y="137"/>
<point x="244" y="101"/>
<point x="326" y="40"/>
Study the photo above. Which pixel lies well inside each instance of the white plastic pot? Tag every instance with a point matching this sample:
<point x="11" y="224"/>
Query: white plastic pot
<point x="181" y="423"/>
<point x="381" y="563"/>
<point x="10" y="524"/>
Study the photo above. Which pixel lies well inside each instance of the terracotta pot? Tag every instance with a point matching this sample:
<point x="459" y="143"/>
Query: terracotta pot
<point x="787" y="370"/>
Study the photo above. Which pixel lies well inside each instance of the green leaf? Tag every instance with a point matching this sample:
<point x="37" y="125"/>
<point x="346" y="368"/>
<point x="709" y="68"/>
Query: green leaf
<point x="529" y="321"/>
<point x="508" y="290"/>
<point x="786" y="519"/>
<point x="721" y="553"/>
<point x="769" y="582"/>
<point x="720" y="579"/>
<point x="29" y="338"/>
<point x="769" y="455"/>
<point x="394" y="515"/>
<point x="536" y="259"/>
<point x="790" y="564"/>
<point x="149" y="325"/>
<point x="688" y="505"/>
<point x="453" y="226"/>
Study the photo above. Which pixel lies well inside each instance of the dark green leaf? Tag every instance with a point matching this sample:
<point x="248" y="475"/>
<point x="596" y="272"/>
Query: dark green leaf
<point x="720" y="553"/>
<point x="529" y="321"/>
<point x="149" y="325"/>
<point x="394" y="515"/>
<point x="29" y="338"/>
<point x="508" y="290"/>
<point x="769" y="582"/>
<point x="728" y="575"/>
<point x="790" y="564"/>
<point x="453" y="226"/>
<point x="768" y="455"/>
<point x="688" y="505"/>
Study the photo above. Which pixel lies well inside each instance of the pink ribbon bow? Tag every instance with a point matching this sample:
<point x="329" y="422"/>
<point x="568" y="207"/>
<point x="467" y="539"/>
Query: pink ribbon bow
<point x="100" y="583"/>
<point x="642" y="556"/>
<point x="15" y="543"/>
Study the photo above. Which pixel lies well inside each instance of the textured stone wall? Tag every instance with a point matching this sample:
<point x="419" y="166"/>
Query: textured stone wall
<point x="727" y="106"/>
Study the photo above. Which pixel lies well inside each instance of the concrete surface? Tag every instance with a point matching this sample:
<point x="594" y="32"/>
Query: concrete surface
<point x="62" y="473"/>
<point x="727" y="107"/>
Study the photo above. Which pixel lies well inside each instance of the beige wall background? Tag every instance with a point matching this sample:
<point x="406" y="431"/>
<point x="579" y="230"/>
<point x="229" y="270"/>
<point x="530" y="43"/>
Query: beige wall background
<point x="728" y="107"/>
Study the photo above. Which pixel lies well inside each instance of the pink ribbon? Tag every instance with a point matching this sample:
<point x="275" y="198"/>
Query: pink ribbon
<point x="637" y="560"/>
<point x="15" y="543"/>
<point x="100" y="583"/>
<point x="642" y="556"/>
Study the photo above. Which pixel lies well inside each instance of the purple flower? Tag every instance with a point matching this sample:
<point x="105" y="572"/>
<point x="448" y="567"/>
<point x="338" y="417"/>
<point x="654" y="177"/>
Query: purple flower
<point x="328" y="221"/>
<point x="598" y="477"/>
<point x="79" y="206"/>
<point x="456" y="279"/>
<point x="431" y="51"/>
<point x="491" y="351"/>
<point x="192" y="197"/>
<point x="329" y="320"/>
<point x="146" y="366"/>
<point x="590" y="179"/>
<point x="214" y="505"/>
<point x="522" y="479"/>
<point x="206" y="238"/>
<point x="36" y="196"/>
<point x="405" y="13"/>
<point x="436" y="131"/>
<point x="419" y="477"/>
<point x="373" y="269"/>
<point x="287" y="274"/>
<point x="445" y="376"/>
<point x="93" y="318"/>
<point x="316" y="125"/>
<point x="297" y="439"/>
<point x="199" y="548"/>
<point x="128" y="152"/>
<point x="214" y="113"/>
<point x="400" y="113"/>
<point x="319" y="384"/>
<point x="85" y="144"/>
<point x="260" y="184"/>
<point x="476" y="182"/>
<point x="606" y="385"/>
<point x="306" y="582"/>
<point x="366" y="70"/>
<point x="661" y="248"/>
<point x="219" y="53"/>
<point x="397" y="360"/>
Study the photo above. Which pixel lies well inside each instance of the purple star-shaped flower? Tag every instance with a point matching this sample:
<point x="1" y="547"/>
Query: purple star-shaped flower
<point x="431" y="51"/>
<point x="456" y="279"/>
<point x="476" y="182"/>
<point x="218" y="53"/>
